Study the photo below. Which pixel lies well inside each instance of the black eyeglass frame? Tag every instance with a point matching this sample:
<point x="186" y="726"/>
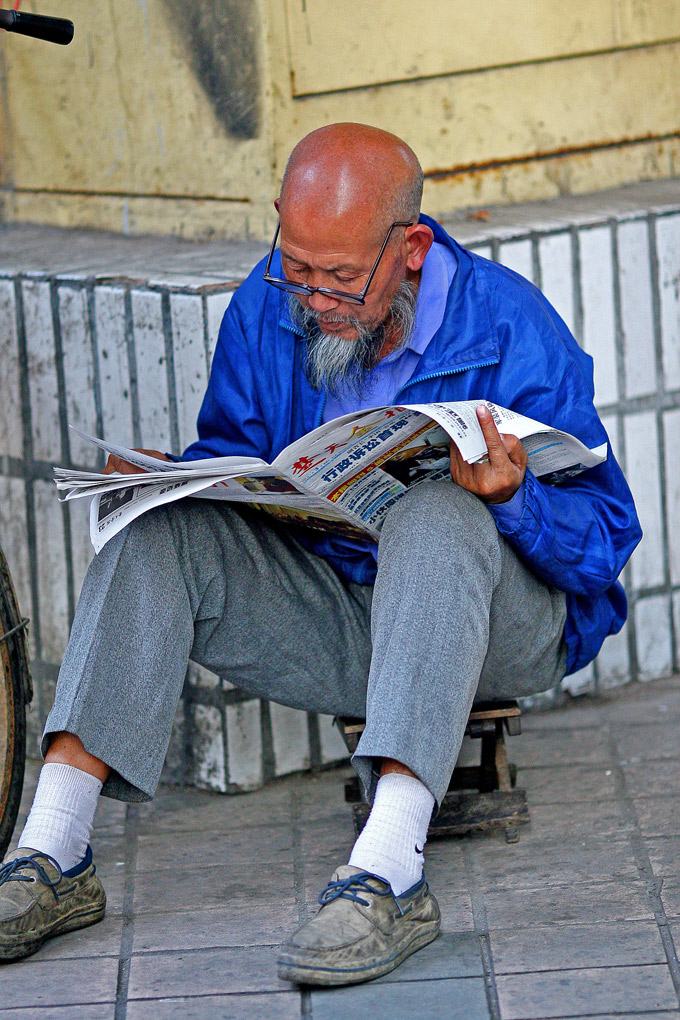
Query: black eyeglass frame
<point x="303" y="288"/>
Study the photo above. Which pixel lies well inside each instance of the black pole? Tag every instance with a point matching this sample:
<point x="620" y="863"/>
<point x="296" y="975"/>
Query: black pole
<point x="56" y="30"/>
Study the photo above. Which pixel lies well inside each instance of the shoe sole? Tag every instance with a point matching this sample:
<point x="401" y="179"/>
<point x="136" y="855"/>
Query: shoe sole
<point x="308" y="974"/>
<point x="28" y="946"/>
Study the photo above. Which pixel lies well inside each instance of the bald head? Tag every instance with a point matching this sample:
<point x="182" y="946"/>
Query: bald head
<point x="353" y="171"/>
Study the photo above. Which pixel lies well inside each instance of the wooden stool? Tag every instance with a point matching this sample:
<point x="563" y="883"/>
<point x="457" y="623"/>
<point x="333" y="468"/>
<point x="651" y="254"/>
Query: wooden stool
<point x="479" y="797"/>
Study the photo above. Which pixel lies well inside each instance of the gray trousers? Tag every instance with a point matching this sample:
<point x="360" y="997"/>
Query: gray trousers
<point x="454" y="615"/>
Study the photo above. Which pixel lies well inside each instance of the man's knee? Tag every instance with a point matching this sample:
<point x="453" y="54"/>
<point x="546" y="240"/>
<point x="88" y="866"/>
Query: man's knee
<point x="441" y="511"/>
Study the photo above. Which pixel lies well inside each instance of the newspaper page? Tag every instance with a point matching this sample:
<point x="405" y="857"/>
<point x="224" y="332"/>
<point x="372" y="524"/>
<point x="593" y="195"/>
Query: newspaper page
<point x="342" y="477"/>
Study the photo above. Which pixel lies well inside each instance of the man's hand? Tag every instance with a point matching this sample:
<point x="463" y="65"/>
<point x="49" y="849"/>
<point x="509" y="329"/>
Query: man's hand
<point x="125" y="468"/>
<point x="497" y="479"/>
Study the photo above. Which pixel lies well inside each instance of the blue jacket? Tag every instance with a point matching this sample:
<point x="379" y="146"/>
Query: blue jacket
<point x="500" y="340"/>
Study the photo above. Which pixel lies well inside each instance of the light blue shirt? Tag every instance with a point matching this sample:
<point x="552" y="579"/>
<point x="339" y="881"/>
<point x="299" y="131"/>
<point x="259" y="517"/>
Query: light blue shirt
<point x="385" y="380"/>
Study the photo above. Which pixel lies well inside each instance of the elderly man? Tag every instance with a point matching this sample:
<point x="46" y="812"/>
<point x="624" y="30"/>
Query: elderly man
<point x="488" y="585"/>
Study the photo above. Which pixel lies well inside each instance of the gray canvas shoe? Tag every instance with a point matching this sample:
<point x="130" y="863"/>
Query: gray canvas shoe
<point x="38" y="900"/>
<point x="361" y="931"/>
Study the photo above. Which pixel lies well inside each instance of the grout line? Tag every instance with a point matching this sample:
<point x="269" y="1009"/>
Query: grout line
<point x="127" y="935"/>
<point x="644" y="865"/>
<point x="481" y="927"/>
<point x="299" y="886"/>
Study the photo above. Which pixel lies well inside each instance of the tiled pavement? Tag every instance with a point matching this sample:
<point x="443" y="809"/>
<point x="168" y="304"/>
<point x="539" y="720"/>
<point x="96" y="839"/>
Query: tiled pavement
<point x="581" y="918"/>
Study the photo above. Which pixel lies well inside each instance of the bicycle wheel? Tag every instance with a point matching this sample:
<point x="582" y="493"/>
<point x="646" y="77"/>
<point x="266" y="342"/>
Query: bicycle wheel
<point x="15" y="693"/>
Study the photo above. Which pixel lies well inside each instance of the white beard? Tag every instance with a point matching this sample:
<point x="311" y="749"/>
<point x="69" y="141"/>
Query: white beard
<point x="341" y="366"/>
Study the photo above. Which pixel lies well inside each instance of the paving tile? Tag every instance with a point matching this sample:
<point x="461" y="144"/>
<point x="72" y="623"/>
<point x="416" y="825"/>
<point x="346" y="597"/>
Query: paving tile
<point x="664" y="854"/>
<point x="662" y="1015"/>
<point x="574" y="820"/>
<point x="575" y="904"/>
<point x="567" y="783"/>
<point x="268" y="1006"/>
<point x="264" y="922"/>
<point x="203" y="972"/>
<point x="585" y="992"/>
<point x="670" y="897"/>
<point x="608" y="944"/>
<point x="93" y="1011"/>
<point x="34" y="982"/>
<point x="102" y="939"/>
<point x="266" y="844"/>
<point x="647" y="742"/>
<point x="534" y="862"/>
<point x="585" y="712"/>
<point x="447" y="999"/>
<point x="659" y="816"/>
<point x="214" y="886"/>
<point x="568" y="747"/>
<point x="653" y="704"/>
<point x="651" y="778"/>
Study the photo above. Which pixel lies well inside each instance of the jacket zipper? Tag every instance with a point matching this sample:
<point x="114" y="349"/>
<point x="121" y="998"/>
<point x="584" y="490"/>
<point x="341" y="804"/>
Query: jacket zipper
<point x="450" y="371"/>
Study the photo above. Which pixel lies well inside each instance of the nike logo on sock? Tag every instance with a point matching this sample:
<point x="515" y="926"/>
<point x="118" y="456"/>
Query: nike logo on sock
<point x="418" y="850"/>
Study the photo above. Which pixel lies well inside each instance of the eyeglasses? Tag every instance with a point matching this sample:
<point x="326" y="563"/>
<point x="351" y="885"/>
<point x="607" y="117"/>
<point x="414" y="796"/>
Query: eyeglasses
<point x="302" y="288"/>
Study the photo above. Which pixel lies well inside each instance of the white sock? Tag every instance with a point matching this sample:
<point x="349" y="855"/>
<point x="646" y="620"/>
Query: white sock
<point x="391" y="843"/>
<point x="60" y="821"/>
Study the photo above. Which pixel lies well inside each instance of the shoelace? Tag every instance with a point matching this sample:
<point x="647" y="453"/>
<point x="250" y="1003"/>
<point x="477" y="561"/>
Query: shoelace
<point x="349" y="889"/>
<point x="9" y="872"/>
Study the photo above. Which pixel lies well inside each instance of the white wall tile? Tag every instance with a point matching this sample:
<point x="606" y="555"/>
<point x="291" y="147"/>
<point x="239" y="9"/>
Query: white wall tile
<point x="671" y="425"/>
<point x="244" y="740"/>
<point x="653" y="631"/>
<point x="82" y="552"/>
<point x="332" y="745"/>
<point x="480" y="249"/>
<point x="191" y="372"/>
<point x="114" y="374"/>
<point x="76" y="345"/>
<point x="14" y="542"/>
<point x="52" y="592"/>
<point x="611" y="425"/>
<point x="291" y="739"/>
<point x="668" y="246"/>
<point x="613" y="662"/>
<point x="555" y="260"/>
<point x="11" y="429"/>
<point x="217" y="305"/>
<point x="676" y="626"/>
<point x="636" y="308"/>
<point x="597" y="296"/>
<point x="642" y="461"/>
<point x="152" y="379"/>
<point x="42" y="371"/>
<point x="581" y="681"/>
<point x="517" y="255"/>
<point x="210" y="763"/>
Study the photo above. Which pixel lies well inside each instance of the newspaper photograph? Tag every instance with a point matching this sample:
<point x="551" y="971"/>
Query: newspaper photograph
<point x="343" y="477"/>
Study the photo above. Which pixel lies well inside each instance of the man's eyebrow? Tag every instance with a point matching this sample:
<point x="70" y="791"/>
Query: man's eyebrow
<point x="344" y="267"/>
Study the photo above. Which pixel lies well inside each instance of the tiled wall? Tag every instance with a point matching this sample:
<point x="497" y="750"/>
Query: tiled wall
<point x="129" y="360"/>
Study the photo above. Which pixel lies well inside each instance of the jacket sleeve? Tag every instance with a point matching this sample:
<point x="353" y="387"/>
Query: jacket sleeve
<point x="230" y="420"/>
<point x="579" y="534"/>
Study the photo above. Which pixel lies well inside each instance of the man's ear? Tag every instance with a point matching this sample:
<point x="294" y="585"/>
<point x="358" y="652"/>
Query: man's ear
<point x="419" y="240"/>
<point x="277" y="202"/>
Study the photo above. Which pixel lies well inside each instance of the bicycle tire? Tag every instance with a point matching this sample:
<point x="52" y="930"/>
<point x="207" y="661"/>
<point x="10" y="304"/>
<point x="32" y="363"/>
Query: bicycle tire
<point x="15" y="694"/>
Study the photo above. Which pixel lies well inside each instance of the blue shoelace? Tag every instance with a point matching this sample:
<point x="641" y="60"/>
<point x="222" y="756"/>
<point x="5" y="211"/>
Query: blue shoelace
<point x="350" y="888"/>
<point x="10" y="872"/>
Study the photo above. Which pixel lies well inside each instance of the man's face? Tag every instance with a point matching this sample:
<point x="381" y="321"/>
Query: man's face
<point x="340" y="255"/>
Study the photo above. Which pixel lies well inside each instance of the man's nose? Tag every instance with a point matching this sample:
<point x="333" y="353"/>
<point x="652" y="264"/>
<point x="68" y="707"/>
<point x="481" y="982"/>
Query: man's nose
<point x="322" y="302"/>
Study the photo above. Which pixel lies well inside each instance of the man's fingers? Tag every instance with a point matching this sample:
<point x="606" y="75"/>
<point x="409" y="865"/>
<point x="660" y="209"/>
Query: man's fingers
<point x="515" y="450"/>
<point x="494" y="443"/>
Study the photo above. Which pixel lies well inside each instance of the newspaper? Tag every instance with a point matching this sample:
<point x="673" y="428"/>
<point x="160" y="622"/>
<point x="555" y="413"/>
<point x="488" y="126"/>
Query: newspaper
<point x="342" y="477"/>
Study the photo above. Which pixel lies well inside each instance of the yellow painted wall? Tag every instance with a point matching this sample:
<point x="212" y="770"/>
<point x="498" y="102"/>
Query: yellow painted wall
<point x="147" y="124"/>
